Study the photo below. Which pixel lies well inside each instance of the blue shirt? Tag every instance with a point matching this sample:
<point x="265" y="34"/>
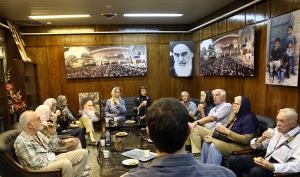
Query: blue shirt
<point x="112" y="110"/>
<point x="181" y="165"/>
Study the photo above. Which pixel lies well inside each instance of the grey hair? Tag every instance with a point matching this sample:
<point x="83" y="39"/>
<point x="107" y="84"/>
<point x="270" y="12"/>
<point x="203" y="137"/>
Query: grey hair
<point x="221" y="91"/>
<point x="185" y="92"/>
<point x="24" y="119"/>
<point x="291" y="113"/>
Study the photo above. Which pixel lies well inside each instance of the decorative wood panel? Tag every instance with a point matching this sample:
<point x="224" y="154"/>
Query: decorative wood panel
<point x="47" y="52"/>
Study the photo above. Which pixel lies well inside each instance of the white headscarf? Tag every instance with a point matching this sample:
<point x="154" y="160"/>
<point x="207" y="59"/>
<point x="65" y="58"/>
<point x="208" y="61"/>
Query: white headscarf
<point x="49" y="102"/>
<point x="44" y="112"/>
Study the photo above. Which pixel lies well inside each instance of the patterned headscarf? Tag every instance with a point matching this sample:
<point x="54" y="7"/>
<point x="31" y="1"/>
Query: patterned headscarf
<point x="63" y="106"/>
<point x="61" y="102"/>
<point x="49" y="102"/>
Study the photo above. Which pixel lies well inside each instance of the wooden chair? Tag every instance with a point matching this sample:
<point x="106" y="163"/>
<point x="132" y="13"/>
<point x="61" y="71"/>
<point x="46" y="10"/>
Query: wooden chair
<point x="9" y="163"/>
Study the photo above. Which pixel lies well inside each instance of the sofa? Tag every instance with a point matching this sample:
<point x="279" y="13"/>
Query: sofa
<point x="129" y="103"/>
<point x="9" y="165"/>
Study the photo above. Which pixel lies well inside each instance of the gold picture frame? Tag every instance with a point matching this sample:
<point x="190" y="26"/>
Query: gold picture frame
<point x="19" y="41"/>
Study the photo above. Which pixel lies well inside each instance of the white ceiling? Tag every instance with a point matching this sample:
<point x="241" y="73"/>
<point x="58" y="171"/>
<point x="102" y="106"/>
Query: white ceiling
<point x="193" y="10"/>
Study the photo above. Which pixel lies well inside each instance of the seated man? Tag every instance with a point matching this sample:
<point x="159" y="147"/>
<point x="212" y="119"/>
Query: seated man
<point x="186" y="101"/>
<point x="218" y="114"/>
<point x="283" y="149"/>
<point x="36" y="152"/>
<point x="167" y="121"/>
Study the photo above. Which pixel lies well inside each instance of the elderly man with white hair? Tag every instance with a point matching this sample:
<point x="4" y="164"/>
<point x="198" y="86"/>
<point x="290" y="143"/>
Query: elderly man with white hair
<point x="282" y="145"/>
<point x="217" y="114"/>
<point x="190" y="105"/>
<point x="36" y="152"/>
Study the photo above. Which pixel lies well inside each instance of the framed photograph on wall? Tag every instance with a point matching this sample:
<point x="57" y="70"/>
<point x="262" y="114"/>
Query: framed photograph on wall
<point x="283" y="50"/>
<point x="92" y="96"/>
<point x="181" y="58"/>
<point x="105" y="61"/>
<point x="231" y="54"/>
<point x="19" y="41"/>
<point x="2" y="45"/>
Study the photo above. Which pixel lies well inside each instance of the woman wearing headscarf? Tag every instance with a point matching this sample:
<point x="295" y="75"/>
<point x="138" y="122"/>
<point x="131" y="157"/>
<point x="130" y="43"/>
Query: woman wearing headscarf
<point x="51" y="102"/>
<point x="238" y="131"/>
<point x="63" y="124"/>
<point x="115" y="106"/>
<point x="69" y="143"/>
<point x="67" y="119"/>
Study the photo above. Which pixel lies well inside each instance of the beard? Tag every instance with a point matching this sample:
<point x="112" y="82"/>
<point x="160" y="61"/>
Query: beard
<point x="185" y="70"/>
<point x="92" y="115"/>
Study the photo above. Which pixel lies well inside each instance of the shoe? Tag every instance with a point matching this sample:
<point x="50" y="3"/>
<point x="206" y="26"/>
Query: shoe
<point x="85" y="174"/>
<point x="197" y="155"/>
<point x="87" y="168"/>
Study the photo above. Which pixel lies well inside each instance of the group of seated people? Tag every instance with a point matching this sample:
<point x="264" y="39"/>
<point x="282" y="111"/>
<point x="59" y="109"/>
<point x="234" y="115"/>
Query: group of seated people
<point x="214" y="129"/>
<point x="221" y="128"/>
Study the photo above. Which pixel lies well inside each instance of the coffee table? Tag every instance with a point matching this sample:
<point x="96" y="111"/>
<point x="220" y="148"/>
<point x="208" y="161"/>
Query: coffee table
<point x="122" y="124"/>
<point x="112" y="166"/>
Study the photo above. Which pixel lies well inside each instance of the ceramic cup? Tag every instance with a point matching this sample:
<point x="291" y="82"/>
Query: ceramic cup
<point x="102" y="142"/>
<point x="105" y="154"/>
<point x="147" y="153"/>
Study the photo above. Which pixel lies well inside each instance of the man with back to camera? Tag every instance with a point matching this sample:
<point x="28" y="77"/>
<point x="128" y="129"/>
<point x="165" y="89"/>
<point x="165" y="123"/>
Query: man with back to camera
<point x="282" y="145"/>
<point x="168" y="128"/>
<point x="183" y="60"/>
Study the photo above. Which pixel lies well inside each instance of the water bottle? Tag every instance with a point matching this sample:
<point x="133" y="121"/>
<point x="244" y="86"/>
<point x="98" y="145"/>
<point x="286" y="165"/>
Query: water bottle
<point x="107" y="138"/>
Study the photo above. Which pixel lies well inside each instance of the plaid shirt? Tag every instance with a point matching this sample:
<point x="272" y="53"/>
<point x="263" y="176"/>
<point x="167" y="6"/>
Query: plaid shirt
<point x="32" y="152"/>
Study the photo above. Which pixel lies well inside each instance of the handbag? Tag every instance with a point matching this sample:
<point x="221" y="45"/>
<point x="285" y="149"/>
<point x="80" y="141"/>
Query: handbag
<point x="220" y="136"/>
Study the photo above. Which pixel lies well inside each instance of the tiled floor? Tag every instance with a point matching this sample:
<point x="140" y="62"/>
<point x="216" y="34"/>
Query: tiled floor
<point x="92" y="162"/>
<point x="95" y="168"/>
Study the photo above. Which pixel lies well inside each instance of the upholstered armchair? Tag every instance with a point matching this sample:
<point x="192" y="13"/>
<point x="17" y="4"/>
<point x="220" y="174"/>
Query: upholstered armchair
<point x="9" y="163"/>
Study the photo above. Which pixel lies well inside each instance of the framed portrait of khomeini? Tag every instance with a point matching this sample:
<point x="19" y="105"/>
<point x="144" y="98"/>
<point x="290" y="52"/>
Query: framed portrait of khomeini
<point x="181" y="58"/>
<point x="92" y="96"/>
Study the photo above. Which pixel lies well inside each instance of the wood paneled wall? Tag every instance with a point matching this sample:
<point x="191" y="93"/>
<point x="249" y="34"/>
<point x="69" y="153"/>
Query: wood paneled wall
<point x="265" y="99"/>
<point x="47" y="52"/>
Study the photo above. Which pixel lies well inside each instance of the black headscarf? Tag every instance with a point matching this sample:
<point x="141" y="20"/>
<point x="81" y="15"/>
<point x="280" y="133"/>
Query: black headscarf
<point x="245" y="107"/>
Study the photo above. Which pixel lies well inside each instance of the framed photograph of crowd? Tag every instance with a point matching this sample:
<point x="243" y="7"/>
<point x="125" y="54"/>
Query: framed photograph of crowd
<point x="283" y="50"/>
<point x="105" y="61"/>
<point x="84" y="97"/>
<point x="181" y="58"/>
<point x="231" y="54"/>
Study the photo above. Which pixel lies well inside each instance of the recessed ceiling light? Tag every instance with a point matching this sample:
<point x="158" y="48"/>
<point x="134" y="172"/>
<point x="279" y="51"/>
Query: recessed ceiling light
<point x="38" y="17"/>
<point x="153" y="15"/>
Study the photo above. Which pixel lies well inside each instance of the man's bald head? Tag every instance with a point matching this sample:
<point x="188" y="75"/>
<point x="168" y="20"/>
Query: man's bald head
<point x="26" y="117"/>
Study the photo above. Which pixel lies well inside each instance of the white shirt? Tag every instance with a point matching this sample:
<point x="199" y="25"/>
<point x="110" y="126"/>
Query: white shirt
<point x="221" y="112"/>
<point x="292" y="151"/>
